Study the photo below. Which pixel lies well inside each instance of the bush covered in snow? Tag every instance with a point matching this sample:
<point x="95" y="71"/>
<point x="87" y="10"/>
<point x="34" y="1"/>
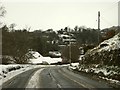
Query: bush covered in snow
<point x="103" y="60"/>
<point x="7" y="59"/>
<point x="107" y="53"/>
<point x="8" y="68"/>
<point x="110" y="72"/>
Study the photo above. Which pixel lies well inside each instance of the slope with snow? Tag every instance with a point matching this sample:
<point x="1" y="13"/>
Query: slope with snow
<point x="103" y="60"/>
<point x="110" y="44"/>
<point x="106" y="53"/>
<point x="36" y="59"/>
<point x="39" y="59"/>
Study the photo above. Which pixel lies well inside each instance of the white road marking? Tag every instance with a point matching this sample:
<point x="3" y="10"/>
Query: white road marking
<point x="34" y="81"/>
<point x="10" y="82"/>
<point x="59" y="86"/>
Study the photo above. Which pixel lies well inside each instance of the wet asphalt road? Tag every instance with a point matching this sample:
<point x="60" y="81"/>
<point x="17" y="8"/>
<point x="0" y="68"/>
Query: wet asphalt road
<point x="59" y="77"/>
<point x="19" y="81"/>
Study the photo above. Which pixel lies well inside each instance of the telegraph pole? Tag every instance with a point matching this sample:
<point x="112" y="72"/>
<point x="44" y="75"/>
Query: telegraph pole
<point x="69" y="47"/>
<point x="98" y="27"/>
<point x="119" y="16"/>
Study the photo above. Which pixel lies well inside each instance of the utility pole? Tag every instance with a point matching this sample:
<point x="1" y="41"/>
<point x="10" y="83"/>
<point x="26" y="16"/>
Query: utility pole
<point x="98" y="27"/>
<point x="119" y="16"/>
<point x="69" y="47"/>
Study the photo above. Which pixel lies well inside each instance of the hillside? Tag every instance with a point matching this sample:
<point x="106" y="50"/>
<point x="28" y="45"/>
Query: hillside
<point x="106" y="53"/>
<point x="103" y="61"/>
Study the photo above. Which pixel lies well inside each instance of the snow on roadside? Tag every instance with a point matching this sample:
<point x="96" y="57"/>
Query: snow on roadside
<point x="111" y="80"/>
<point x="104" y="72"/>
<point x="6" y="75"/>
<point x="9" y="71"/>
<point x="103" y="60"/>
<point x="75" y="64"/>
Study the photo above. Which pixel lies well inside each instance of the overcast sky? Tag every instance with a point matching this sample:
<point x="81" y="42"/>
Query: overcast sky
<point x="119" y="14"/>
<point x="57" y="14"/>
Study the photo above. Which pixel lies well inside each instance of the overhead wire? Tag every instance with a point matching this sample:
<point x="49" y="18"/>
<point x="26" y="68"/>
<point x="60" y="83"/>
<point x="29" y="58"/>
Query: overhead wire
<point x="113" y="6"/>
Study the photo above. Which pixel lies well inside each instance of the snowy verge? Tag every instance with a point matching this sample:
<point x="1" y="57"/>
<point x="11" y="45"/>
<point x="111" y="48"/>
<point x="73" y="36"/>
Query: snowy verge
<point x="103" y="61"/>
<point x="108" y="73"/>
<point x="9" y="71"/>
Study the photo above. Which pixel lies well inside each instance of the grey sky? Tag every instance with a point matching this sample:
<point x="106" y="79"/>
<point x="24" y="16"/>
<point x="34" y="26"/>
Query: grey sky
<point x="119" y="13"/>
<point x="59" y="14"/>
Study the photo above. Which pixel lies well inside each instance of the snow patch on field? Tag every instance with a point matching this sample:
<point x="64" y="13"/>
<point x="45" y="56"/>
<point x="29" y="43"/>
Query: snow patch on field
<point x="39" y="59"/>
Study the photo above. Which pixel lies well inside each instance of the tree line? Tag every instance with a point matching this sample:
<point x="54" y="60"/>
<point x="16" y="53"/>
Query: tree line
<point x="17" y="43"/>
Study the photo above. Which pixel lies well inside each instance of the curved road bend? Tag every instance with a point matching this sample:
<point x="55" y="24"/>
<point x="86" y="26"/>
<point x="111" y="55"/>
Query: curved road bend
<point x="56" y="77"/>
<point x="61" y="77"/>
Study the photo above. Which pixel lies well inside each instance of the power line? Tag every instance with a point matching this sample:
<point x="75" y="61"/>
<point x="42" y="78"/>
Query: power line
<point x="103" y="19"/>
<point x="111" y="7"/>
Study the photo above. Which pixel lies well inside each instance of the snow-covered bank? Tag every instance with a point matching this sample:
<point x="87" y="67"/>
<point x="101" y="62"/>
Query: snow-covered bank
<point x="103" y="60"/>
<point x="39" y="59"/>
<point x="106" y="53"/>
<point x="110" y="44"/>
<point x="9" y="71"/>
<point x="109" y="73"/>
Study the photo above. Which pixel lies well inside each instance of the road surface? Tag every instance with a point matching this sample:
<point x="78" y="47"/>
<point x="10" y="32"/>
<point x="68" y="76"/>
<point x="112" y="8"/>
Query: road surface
<point x="55" y="77"/>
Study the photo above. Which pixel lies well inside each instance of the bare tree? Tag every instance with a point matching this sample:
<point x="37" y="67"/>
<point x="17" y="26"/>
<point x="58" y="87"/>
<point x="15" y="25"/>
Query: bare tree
<point x="2" y="13"/>
<point x="2" y="10"/>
